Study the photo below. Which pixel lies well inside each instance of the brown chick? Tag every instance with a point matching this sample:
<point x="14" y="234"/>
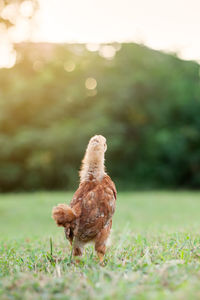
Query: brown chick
<point x="88" y="218"/>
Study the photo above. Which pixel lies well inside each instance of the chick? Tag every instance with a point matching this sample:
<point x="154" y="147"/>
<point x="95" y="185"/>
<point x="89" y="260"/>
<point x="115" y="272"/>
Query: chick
<point x="88" y="218"/>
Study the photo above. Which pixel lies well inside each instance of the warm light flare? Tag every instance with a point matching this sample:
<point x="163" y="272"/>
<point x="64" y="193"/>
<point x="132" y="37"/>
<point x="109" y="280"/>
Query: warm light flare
<point x="26" y="9"/>
<point x="155" y="23"/>
<point x="163" y="25"/>
<point x="7" y="55"/>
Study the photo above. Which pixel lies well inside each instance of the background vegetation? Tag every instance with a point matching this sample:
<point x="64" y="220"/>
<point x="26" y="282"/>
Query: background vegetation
<point x="146" y="103"/>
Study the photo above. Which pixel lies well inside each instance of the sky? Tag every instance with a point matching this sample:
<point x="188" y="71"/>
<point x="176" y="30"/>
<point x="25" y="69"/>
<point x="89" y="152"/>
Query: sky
<point x="170" y="25"/>
<point x="167" y="25"/>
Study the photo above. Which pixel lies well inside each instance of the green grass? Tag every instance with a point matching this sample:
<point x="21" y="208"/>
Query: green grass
<point x="154" y="251"/>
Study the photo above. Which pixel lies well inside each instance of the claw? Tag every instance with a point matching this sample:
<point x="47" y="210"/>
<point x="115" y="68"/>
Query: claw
<point x="100" y="256"/>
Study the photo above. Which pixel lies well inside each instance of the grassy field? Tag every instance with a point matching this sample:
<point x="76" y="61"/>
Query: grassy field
<point x="154" y="251"/>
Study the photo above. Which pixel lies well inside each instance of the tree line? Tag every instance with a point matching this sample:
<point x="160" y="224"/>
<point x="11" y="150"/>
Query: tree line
<point x="146" y="103"/>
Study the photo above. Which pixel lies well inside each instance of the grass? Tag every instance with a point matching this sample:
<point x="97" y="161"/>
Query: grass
<point x="154" y="251"/>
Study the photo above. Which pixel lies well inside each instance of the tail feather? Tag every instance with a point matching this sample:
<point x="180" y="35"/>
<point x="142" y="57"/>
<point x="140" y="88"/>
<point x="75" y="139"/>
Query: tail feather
<point x="63" y="214"/>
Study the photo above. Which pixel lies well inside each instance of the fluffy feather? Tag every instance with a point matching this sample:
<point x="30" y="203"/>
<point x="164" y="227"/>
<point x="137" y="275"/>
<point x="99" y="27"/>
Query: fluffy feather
<point x="63" y="214"/>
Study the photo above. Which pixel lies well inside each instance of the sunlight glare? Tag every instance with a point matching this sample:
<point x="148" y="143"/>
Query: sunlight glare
<point x="157" y="24"/>
<point x="7" y="55"/>
<point x="9" y="12"/>
<point x="26" y="9"/>
<point x="21" y="31"/>
<point x="98" y="24"/>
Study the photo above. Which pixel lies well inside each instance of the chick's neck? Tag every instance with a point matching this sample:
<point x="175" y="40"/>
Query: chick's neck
<point x="93" y="167"/>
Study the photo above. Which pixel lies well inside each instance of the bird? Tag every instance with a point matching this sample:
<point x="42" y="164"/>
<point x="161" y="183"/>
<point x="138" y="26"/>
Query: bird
<point x="88" y="217"/>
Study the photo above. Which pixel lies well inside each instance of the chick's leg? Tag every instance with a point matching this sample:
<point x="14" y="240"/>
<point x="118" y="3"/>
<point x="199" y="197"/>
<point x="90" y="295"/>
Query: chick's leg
<point x="100" y="241"/>
<point x="77" y="248"/>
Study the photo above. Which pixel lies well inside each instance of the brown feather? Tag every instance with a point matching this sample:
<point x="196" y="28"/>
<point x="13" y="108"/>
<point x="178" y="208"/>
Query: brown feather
<point x="96" y="201"/>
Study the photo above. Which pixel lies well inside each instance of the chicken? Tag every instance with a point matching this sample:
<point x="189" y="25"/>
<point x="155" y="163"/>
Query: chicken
<point x="88" y="218"/>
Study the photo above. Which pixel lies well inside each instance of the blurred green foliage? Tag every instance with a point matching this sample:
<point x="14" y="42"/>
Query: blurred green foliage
<point x="146" y="103"/>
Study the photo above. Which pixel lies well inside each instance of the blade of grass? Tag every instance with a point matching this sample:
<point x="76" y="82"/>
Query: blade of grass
<point x="51" y="246"/>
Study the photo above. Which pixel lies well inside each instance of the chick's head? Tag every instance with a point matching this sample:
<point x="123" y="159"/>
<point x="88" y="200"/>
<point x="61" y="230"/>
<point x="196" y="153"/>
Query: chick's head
<point x="97" y="144"/>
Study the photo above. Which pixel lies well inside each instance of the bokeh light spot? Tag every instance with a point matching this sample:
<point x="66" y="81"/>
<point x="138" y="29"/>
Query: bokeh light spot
<point x="92" y="47"/>
<point x="90" y="83"/>
<point x="69" y="66"/>
<point x="107" y="51"/>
